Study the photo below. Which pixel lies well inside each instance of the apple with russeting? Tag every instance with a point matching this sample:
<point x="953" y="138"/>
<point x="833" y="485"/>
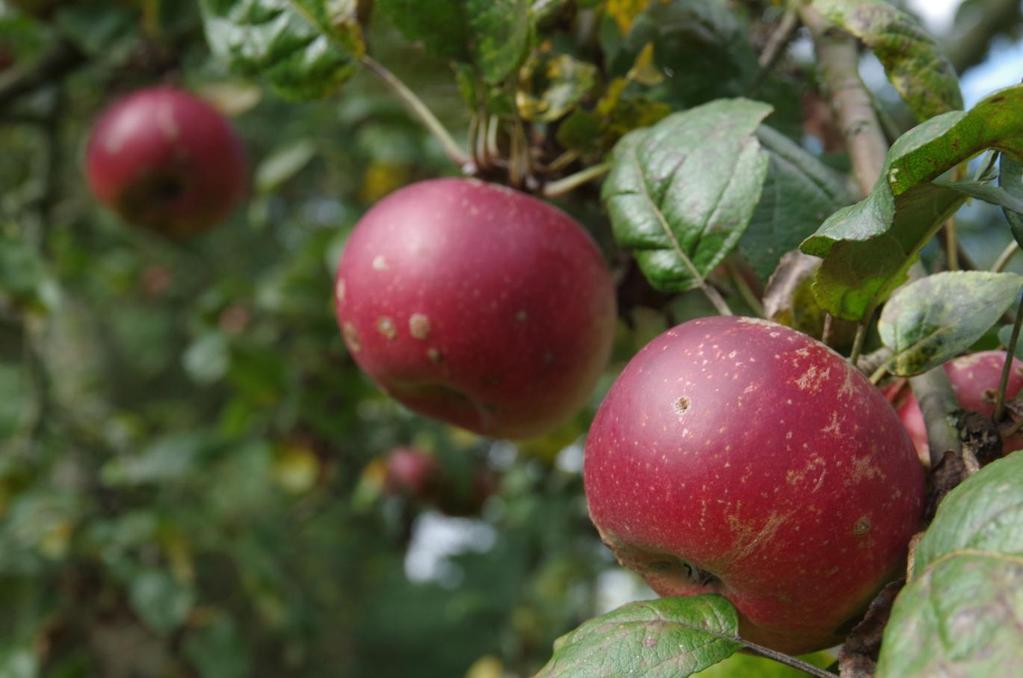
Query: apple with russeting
<point x="478" y="305"/>
<point x="740" y="457"/>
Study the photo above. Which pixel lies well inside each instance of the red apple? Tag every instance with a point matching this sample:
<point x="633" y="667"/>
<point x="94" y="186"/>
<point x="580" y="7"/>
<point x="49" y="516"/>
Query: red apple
<point x="974" y="379"/>
<point x="166" y="160"/>
<point x="478" y="305"/>
<point x="740" y="457"/>
<point x="411" y="472"/>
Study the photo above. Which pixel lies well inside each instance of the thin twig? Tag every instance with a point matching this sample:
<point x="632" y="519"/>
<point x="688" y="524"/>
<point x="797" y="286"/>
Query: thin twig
<point x="64" y="58"/>
<point x="1007" y="366"/>
<point x="425" y="115"/>
<point x="838" y="57"/>
<point x="857" y="347"/>
<point x="745" y="291"/>
<point x="787" y="660"/>
<point x="1005" y="257"/>
<point x="951" y="244"/>
<point x="777" y="41"/>
<point x="556" y="189"/>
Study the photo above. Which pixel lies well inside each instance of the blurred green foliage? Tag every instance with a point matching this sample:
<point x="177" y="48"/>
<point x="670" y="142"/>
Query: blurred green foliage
<point x="188" y="484"/>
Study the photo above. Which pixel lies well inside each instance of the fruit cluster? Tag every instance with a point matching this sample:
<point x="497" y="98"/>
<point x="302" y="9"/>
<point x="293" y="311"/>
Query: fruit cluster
<point x="732" y="455"/>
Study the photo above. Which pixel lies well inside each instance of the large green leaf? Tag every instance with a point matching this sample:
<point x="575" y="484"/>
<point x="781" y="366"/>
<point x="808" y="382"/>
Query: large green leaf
<point x="938" y="317"/>
<point x="868" y="247"/>
<point x="916" y="67"/>
<point x="441" y="25"/>
<point x="500" y="31"/>
<point x="798" y="195"/>
<point x="305" y="48"/>
<point x="960" y="614"/>
<point x="1010" y="178"/>
<point x="664" y="638"/>
<point x="681" y="193"/>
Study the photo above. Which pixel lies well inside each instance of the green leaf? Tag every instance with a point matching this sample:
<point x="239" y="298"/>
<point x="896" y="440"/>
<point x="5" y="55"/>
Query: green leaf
<point x="681" y="193"/>
<point x="161" y="601"/>
<point x="551" y="85"/>
<point x="15" y="399"/>
<point x="218" y="650"/>
<point x="994" y="195"/>
<point x="868" y="247"/>
<point x="798" y="195"/>
<point x="1010" y="178"/>
<point x="95" y="26"/>
<point x="960" y="613"/>
<point x="915" y="66"/>
<point x="441" y="25"/>
<point x="24" y="280"/>
<point x="305" y="48"/>
<point x="668" y="637"/>
<point x="208" y="358"/>
<point x="168" y="459"/>
<point x="501" y="33"/>
<point x="701" y="44"/>
<point x="938" y="317"/>
<point x="283" y="164"/>
<point x="943" y="142"/>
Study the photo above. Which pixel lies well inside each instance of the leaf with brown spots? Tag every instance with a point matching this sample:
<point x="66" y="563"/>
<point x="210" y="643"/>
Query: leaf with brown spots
<point x="662" y="638"/>
<point x="962" y="612"/>
<point x="938" y="317"/>
<point x="917" y="69"/>
<point x="868" y="247"/>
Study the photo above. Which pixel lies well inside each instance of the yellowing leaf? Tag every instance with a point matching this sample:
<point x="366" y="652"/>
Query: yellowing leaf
<point x="624" y="12"/>
<point x="296" y="469"/>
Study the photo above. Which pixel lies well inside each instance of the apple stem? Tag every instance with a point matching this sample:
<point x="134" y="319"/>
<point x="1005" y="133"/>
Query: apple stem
<point x="787" y="660"/>
<point x="425" y="115"/>
<point x="1007" y="367"/>
<point x="861" y="336"/>
<point x="561" y="187"/>
<point x="745" y="291"/>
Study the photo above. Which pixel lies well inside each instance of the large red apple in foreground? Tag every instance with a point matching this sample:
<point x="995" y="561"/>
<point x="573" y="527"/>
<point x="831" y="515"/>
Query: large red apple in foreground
<point x="974" y="379"/>
<point x="476" y="304"/>
<point x="166" y="160"/>
<point x="739" y="457"/>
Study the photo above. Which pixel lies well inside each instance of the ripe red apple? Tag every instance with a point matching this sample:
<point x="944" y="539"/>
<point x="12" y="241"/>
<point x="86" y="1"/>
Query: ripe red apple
<point x="740" y="457"/>
<point x="166" y="160"/>
<point x="412" y="472"/>
<point x="476" y="304"/>
<point x="974" y="379"/>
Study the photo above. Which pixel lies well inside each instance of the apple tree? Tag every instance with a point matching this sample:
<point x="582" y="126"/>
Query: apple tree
<point x="718" y="297"/>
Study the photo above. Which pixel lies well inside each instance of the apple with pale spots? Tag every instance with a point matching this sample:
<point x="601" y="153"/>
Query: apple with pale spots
<point x="166" y="160"/>
<point x="974" y="379"/>
<point x="740" y="457"/>
<point x="477" y="305"/>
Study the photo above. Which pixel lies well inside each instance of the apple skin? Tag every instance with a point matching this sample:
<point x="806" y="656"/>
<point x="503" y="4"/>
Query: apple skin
<point x="740" y="457"/>
<point x="477" y="305"/>
<point x="411" y="472"/>
<point x="166" y="160"/>
<point x="970" y="376"/>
